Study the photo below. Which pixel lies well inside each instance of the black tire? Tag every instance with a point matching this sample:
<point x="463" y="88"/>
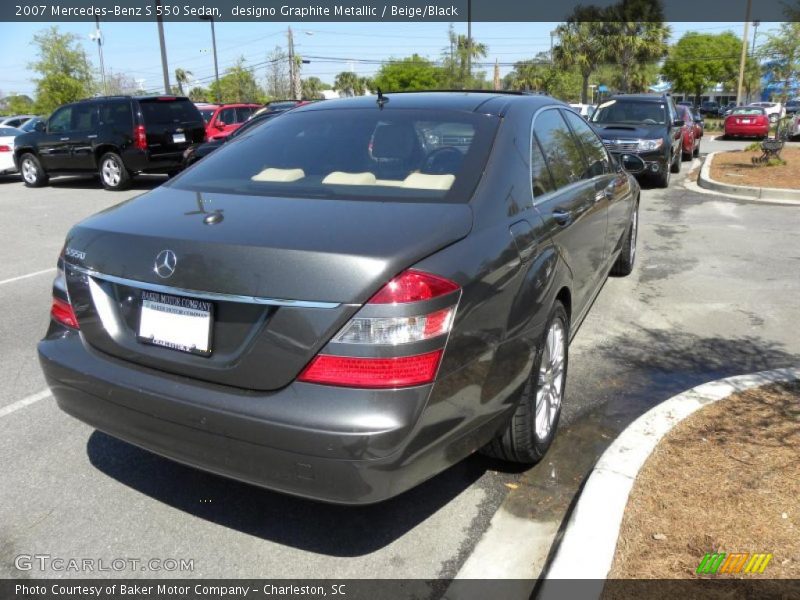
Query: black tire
<point x="686" y="156"/>
<point x="696" y="152"/>
<point x="676" y="163"/>
<point x="627" y="256"/>
<point x="663" y="178"/>
<point x="113" y="174"/>
<point x="33" y="174"/>
<point x="519" y="442"/>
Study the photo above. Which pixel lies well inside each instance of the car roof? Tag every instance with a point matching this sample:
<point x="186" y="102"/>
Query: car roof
<point x="640" y="97"/>
<point x="488" y="102"/>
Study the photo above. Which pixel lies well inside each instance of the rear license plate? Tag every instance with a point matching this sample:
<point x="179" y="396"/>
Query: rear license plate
<point x="179" y="138"/>
<point x="745" y="121"/>
<point x="182" y="324"/>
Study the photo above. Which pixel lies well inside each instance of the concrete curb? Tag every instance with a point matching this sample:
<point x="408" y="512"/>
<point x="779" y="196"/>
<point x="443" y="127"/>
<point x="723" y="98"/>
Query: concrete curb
<point x="593" y="527"/>
<point x="754" y="193"/>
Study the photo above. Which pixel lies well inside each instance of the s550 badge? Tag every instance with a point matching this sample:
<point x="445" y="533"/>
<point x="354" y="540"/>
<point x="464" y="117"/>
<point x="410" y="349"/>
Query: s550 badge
<point x="72" y="253"/>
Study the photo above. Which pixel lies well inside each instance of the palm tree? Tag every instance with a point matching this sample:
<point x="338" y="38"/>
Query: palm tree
<point x="349" y="83"/>
<point x="635" y="33"/>
<point x="581" y="45"/>
<point x="467" y="52"/>
<point x="182" y="77"/>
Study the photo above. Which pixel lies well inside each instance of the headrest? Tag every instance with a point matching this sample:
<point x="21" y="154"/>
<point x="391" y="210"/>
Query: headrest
<point x="393" y="141"/>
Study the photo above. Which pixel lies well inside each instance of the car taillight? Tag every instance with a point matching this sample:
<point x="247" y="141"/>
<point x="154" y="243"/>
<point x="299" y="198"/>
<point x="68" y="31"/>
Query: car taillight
<point x="62" y="312"/>
<point x="5" y="148"/>
<point x="427" y="305"/>
<point x="140" y="137"/>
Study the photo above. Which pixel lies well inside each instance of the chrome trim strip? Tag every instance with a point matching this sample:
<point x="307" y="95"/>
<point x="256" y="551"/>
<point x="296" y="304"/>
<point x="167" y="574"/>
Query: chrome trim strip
<point x="164" y="289"/>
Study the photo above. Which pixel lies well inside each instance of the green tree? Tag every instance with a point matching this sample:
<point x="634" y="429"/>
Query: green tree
<point x="407" y="74"/>
<point x="120" y="84"/>
<point x="348" y="83"/>
<point x="238" y="85"/>
<point x="182" y="78"/>
<point x="65" y="74"/>
<point x="581" y="46"/>
<point x="17" y="104"/>
<point x="634" y="32"/>
<point x="199" y="94"/>
<point x="783" y="50"/>
<point x="540" y="75"/>
<point x="456" y="60"/>
<point x="699" y="61"/>
<point x="313" y="88"/>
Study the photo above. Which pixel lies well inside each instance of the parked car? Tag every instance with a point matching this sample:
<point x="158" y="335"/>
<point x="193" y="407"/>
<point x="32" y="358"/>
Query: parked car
<point x="699" y="124"/>
<point x="226" y="118"/>
<point x="584" y="110"/>
<point x="794" y="126"/>
<point x="747" y="121"/>
<point x="31" y="124"/>
<point x="206" y="110"/>
<point x="774" y="110"/>
<point x="280" y="106"/>
<point x="726" y="109"/>
<point x="709" y="107"/>
<point x="339" y="305"/>
<point x="690" y="141"/>
<point x="646" y="125"/>
<point x="116" y="137"/>
<point x="7" y="137"/>
<point x="194" y="153"/>
<point x="15" y="121"/>
<point x="792" y="107"/>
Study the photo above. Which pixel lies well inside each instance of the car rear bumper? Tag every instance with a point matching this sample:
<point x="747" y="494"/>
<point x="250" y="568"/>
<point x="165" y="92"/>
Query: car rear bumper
<point x="355" y="452"/>
<point x="747" y="130"/>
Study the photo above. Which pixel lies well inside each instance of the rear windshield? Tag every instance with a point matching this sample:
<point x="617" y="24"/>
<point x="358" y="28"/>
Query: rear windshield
<point x="163" y="112"/>
<point x="360" y="154"/>
<point x="752" y="110"/>
<point x="631" y="111"/>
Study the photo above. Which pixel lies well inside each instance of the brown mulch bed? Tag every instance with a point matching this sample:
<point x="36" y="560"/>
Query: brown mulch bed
<point x="726" y="479"/>
<point x="736" y="168"/>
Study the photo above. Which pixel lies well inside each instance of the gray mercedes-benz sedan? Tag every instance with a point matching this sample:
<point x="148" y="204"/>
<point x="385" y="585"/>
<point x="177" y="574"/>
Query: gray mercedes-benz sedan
<point x="347" y="300"/>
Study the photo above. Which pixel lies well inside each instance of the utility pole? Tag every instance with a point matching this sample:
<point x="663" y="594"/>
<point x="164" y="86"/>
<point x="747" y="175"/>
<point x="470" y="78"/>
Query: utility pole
<point x="214" y="50"/>
<point x="469" y="43"/>
<point x="98" y="37"/>
<point x="755" y="33"/>
<point x="294" y="71"/>
<point x="740" y="90"/>
<point x="164" y="67"/>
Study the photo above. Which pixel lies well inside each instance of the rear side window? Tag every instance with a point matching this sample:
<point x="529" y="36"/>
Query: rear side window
<point x="243" y="113"/>
<point x="362" y="154"/>
<point x="117" y="115"/>
<point x="84" y="117"/>
<point x="169" y="112"/>
<point x="561" y="150"/>
<point x="593" y="148"/>
<point x="207" y="113"/>
<point x="541" y="181"/>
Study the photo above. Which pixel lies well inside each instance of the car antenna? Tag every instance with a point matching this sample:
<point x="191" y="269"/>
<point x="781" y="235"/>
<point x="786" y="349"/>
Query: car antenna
<point x="381" y="98"/>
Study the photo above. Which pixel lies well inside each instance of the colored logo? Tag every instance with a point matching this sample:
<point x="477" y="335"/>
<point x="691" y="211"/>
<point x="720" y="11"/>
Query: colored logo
<point x="743" y="562"/>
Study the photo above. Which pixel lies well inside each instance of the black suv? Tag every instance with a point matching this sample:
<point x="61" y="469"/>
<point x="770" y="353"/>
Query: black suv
<point x="645" y="125"/>
<point x="116" y="137"/>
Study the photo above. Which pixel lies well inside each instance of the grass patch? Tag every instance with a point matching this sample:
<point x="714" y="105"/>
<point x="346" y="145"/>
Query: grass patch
<point x="736" y="168"/>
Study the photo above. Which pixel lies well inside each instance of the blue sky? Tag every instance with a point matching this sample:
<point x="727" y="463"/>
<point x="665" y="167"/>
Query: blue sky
<point x="132" y="48"/>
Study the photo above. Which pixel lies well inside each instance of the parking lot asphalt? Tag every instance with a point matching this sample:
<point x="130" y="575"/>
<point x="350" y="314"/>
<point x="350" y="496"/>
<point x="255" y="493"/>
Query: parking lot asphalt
<point x="714" y="293"/>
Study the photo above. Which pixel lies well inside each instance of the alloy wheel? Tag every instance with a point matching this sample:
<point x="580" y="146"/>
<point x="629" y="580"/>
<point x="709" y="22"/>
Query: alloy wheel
<point x="111" y="172"/>
<point x="29" y="171"/>
<point x="551" y="380"/>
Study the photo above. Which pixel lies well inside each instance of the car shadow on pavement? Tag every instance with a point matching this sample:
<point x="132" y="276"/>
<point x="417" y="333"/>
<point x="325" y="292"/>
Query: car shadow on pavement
<point x="342" y="531"/>
<point x="144" y="183"/>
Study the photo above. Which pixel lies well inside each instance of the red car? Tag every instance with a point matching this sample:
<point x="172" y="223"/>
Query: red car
<point x="690" y="133"/>
<point x="222" y="120"/>
<point x="747" y="121"/>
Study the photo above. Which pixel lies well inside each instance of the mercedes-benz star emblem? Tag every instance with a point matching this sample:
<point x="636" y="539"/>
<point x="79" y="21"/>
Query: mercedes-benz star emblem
<point x="166" y="261"/>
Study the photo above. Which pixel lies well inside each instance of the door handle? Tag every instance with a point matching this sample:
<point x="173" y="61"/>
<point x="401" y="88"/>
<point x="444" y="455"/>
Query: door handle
<point x="66" y="139"/>
<point x="562" y="217"/>
<point x="91" y="137"/>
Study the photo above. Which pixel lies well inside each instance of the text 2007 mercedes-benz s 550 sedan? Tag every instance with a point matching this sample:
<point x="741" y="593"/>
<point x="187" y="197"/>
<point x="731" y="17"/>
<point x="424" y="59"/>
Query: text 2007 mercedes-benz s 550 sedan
<point x="348" y="299"/>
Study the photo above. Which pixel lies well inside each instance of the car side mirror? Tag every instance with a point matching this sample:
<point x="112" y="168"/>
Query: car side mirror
<point x="40" y="126"/>
<point x="632" y="163"/>
<point x="678" y="122"/>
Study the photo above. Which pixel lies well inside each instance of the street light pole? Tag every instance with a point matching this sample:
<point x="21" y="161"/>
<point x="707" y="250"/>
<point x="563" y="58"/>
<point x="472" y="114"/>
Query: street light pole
<point x="214" y="50"/>
<point x="98" y="37"/>
<point x="164" y="67"/>
<point x="740" y="90"/>
<point x="469" y="42"/>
